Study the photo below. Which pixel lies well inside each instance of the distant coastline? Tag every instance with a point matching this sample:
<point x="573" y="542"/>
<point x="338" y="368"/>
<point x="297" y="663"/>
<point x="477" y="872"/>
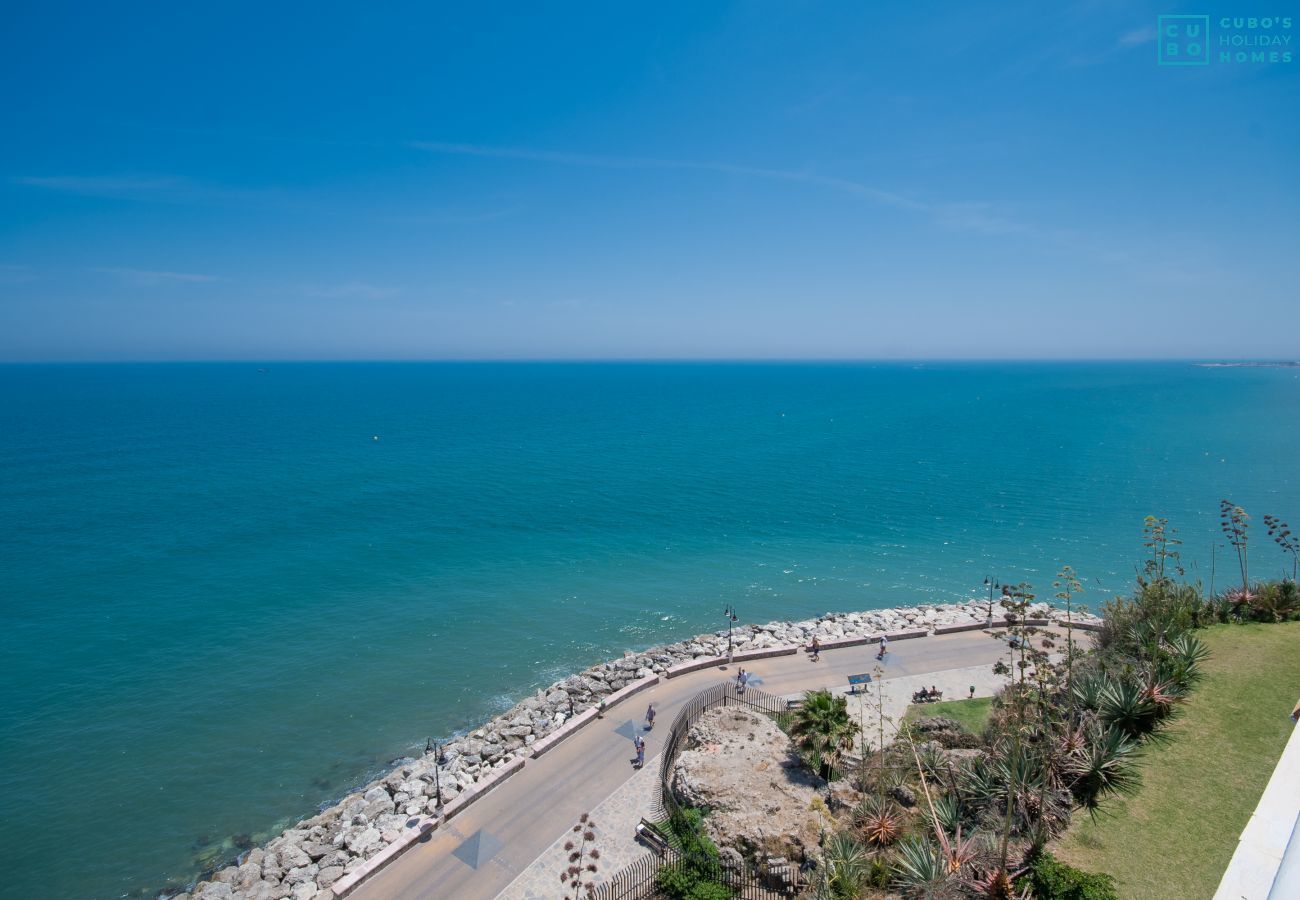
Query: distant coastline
<point x="1249" y="365"/>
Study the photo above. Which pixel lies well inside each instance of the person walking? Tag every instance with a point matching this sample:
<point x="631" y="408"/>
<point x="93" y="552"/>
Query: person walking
<point x="740" y="681"/>
<point x="816" y="649"/>
<point x="640" y="752"/>
<point x="884" y="643"/>
<point x="650" y="717"/>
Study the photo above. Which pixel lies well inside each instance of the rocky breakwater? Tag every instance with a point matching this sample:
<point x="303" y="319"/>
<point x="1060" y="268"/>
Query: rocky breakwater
<point x="305" y="861"/>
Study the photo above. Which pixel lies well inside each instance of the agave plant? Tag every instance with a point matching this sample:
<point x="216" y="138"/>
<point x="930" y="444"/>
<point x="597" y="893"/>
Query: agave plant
<point x="1102" y="764"/>
<point x="933" y="762"/>
<point x="883" y="827"/>
<point x="995" y="884"/>
<point x="1127" y="706"/>
<point x="1239" y="599"/>
<point x="977" y="784"/>
<point x="846" y="866"/>
<point x="1275" y="602"/>
<point x="949" y="813"/>
<point x="922" y="871"/>
<point x="1087" y="691"/>
<point x="1187" y="652"/>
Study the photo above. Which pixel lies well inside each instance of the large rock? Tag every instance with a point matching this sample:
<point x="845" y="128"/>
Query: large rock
<point x="362" y="839"/>
<point x="215" y="890"/>
<point x="268" y="890"/>
<point x="292" y="857"/>
<point x="760" y="797"/>
<point x="316" y="850"/>
<point x="248" y="875"/>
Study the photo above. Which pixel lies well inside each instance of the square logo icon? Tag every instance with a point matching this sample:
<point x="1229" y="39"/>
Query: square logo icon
<point x="1183" y="41"/>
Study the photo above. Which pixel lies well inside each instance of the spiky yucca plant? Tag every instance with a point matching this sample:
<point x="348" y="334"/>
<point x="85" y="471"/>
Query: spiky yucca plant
<point x="1124" y="704"/>
<point x="846" y="866"/>
<point x="1100" y="763"/>
<point x="921" y="871"/>
<point x="883" y="827"/>
<point x="949" y="813"/>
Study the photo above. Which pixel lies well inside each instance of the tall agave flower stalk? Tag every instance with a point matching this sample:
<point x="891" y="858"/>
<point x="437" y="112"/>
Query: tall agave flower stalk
<point x="1016" y="600"/>
<point x="1160" y="540"/>
<point x="956" y="852"/>
<point x="579" y="876"/>
<point x="1235" y="524"/>
<point x="1281" y="534"/>
<point x="1067" y="584"/>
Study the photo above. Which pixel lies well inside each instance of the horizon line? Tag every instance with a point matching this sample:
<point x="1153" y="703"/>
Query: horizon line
<point x="657" y="360"/>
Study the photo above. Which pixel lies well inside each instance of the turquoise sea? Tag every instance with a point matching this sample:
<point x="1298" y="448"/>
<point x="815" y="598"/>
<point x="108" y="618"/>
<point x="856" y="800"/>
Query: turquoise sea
<point x="231" y="592"/>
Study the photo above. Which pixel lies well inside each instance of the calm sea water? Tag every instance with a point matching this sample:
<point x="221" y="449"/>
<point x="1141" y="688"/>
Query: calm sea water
<point x="226" y="603"/>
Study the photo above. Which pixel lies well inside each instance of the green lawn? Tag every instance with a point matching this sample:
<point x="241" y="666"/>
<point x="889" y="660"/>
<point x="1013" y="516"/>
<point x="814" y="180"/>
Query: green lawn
<point x="1174" y="838"/>
<point x="972" y="715"/>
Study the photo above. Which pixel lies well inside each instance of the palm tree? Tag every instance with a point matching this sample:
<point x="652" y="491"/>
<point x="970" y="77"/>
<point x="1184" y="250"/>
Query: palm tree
<point x="823" y="730"/>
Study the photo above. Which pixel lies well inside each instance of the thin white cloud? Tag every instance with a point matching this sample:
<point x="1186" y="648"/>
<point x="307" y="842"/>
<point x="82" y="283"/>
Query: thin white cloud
<point x="102" y="185"/>
<point x="1137" y="36"/>
<point x="450" y="218"/>
<point x="979" y="218"/>
<point x="153" y="278"/>
<point x="975" y="218"/>
<point x="588" y="160"/>
<point x="351" y="290"/>
<point x="142" y="188"/>
<point x="14" y="274"/>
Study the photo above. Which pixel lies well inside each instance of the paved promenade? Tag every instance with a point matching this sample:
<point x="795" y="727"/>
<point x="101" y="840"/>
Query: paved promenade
<point x="481" y="852"/>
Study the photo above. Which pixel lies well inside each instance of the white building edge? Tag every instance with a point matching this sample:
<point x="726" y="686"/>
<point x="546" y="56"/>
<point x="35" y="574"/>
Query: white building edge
<point x="1266" y="864"/>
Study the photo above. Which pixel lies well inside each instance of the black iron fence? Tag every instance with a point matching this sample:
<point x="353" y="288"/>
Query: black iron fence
<point x="640" y="880"/>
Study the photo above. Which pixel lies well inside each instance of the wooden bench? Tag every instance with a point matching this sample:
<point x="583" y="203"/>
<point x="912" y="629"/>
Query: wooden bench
<point x="648" y="832"/>
<point x="855" y="680"/>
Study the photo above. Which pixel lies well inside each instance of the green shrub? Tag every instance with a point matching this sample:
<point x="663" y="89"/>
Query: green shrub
<point x="1052" y="879"/>
<point x="698" y="875"/>
<point x="682" y="882"/>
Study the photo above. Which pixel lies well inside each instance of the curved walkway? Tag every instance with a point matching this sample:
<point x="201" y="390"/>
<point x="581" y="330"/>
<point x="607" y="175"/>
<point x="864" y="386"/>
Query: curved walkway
<point x="478" y="854"/>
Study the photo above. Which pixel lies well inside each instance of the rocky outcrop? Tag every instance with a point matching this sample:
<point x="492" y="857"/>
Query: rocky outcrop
<point x="734" y="756"/>
<point x="945" y="732"/>
<point x="308" y="858"/>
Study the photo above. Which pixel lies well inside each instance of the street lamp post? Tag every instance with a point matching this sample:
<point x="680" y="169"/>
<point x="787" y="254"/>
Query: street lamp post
<point x="730" y="613"/>
<point x="990" y="582"/>
<point x="439" y="760"/>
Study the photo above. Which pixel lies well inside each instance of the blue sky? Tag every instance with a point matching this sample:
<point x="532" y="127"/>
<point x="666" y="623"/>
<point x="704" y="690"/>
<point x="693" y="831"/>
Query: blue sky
<point x="667" y="180"/>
